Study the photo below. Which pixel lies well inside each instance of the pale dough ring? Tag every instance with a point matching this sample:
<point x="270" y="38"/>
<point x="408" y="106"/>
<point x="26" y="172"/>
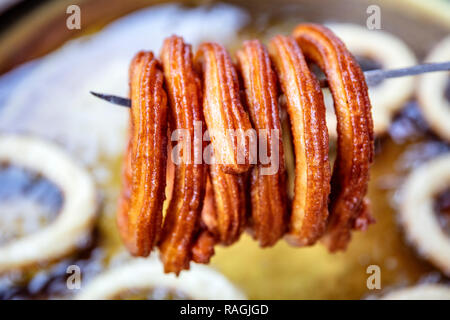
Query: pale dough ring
<point x="391" y="52"/>
<point x="79" y="206"/>
<point x="201" y="282"/>
<point x="417" y="214"/>
<point x="420" y="292"/>
<point x="431" y="92"/>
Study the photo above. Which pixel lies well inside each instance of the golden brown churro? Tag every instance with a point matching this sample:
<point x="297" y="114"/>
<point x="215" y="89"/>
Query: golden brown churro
<point x="267" y="189"/>
<point x="203" y="249"/>
<point x="225" y="117"/>
<point x="354" y="127"/>
<point x="209" y="213"/>
<point x="230" y="204"/>
<point x="183" y="213"/>
<point x="306" y="110"/>
<point x="144" y="172"/>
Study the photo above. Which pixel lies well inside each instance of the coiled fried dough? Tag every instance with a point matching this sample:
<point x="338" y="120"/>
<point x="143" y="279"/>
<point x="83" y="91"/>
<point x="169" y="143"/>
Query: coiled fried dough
<point x="267" y="181"/>
<point x="306" y="110"/>
<point x="229" y="203"/>
<point x="225" y="117"/>
<point x="144" y="172"/>
<point x="183" y="213"/>
<point x="208" y="209"/>
<point x="355" y="142"/>
<point x="203" y="248"/>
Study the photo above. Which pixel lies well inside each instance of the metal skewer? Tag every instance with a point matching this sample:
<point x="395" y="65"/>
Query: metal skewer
<point x="124" y="102"/>
<point x="373" y="77"/>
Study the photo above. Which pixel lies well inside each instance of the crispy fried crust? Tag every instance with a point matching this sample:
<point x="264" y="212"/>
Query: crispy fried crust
<point x="267" y="189"/>
<point x="209" y="212"/>
<point x="222" y="108"/>
<point x="223" y="111"/>
<point x="306" y="110"/>
<point x="229" y="203"/>
<point x="183" y="213"/>
<point x="144" y="172"/>
<point x="203" y="248"/>
<point x="354" y="126"/>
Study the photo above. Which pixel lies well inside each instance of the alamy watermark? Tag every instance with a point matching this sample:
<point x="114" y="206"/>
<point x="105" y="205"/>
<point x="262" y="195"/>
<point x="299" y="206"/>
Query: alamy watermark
<point x="73" y="21"/>
<point x="373" y="21"/>
<point x="248" y="146"/>
<point x="374" y="280"/>
<point x="73" y="281"/>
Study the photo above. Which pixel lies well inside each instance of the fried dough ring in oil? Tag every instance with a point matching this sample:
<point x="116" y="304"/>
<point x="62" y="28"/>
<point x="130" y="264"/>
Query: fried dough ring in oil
<point x="384" y="48"/>
<point x="433" y="94"/>
<point x="76" y="216"/>
<point x="355" y="149"/>
<point x="144" y="173"/>
<point x="417" y="213"/>
<point x="425" y="291"/>
<point x="267" y="191"/>
<point x="222" y="108"/>
<point x="306" y="111"/>
<point x="144" y="276"/>
<point x="184" y="209"/>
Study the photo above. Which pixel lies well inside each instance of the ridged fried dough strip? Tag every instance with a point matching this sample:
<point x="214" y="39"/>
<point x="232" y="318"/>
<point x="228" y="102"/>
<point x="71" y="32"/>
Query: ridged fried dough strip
<point x="230" y="205"/>
<point x="182" y="218"/>
<point x="232" y="217"/>
<point x="223" y="111"/>
<point x="306" y="110"/>
<point x="203" y="248"/>
<point x="209" y="212"/>
<point x="267" y="192"/>
<point x="144" y="172"/>
<point x="124" y="203"/>
<point x="354" y="126"/>
<point x="224" y="115"/>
